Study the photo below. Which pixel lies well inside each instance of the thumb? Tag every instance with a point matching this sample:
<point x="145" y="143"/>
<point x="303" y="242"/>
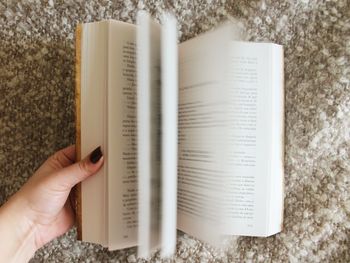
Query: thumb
<point x="75" y="173"/>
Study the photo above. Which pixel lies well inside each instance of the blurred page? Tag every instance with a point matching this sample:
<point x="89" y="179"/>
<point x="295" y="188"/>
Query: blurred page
<point x="169" y="113"/>
<point x="203" y="134"/>
<point x="148" y="129"/>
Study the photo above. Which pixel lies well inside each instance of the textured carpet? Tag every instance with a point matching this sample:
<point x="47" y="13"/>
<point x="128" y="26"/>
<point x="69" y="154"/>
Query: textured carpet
<point x="37" y="114"/>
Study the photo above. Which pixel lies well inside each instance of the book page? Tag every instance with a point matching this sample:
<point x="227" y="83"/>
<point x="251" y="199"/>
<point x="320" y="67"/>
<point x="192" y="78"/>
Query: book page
<point x="149" y="136"/>
<point x="121" y="152"/>
<point x="277" y="147"/>
<point x="226" y="139"/>
<point x="250" y="128"/>
<point x="169" y="92"/>
<point x="202" y="134"/>
<point x="93" y="129"/>
<point x="254" y="196"/>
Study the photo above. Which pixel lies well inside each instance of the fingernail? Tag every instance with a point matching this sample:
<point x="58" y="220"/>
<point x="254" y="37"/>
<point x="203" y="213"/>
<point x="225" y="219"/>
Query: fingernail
<point x="96" y="155"/>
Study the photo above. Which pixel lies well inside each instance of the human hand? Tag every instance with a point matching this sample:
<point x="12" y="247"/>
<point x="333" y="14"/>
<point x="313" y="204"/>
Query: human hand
<point x="41" y="210"/>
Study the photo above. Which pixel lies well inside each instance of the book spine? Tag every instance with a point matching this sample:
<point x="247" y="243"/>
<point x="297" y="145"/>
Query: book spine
<point x="77" y="188"/>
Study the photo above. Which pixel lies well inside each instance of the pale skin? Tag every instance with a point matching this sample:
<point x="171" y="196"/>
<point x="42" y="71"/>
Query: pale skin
<point x="41" y="210"/>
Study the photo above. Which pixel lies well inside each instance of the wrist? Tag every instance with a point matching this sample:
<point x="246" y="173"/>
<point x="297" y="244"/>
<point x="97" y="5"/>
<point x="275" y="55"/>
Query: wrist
<point x="17" y="237"/>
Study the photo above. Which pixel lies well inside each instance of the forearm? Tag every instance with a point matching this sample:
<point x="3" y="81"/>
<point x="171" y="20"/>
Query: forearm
<point x="17" y="232"/>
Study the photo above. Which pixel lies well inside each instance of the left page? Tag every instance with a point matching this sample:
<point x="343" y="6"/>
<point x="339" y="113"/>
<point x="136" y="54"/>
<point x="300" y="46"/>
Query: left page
<point x="121" y="132"/>
<point x="93" y="76"/>
<point x="108" y="118"/>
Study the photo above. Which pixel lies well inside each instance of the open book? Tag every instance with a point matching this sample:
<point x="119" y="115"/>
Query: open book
<point x="192" y="134"/>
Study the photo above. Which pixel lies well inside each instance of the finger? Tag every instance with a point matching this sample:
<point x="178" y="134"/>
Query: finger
<point x="69" y="153"/>
<point x="65" y="156"/>
<point x="75" y="173"/>
<point x="57" y="161"/>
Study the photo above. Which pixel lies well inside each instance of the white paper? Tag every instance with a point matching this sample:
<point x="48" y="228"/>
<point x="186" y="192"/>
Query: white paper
<point x="169" y="114"/>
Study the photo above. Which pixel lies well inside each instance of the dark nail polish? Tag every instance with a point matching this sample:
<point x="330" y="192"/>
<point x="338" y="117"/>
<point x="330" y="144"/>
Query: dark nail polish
<point x="96" y="155"/>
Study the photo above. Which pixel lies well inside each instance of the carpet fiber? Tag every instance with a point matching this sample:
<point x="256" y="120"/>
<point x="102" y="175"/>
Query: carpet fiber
<point x="37" y="114"/>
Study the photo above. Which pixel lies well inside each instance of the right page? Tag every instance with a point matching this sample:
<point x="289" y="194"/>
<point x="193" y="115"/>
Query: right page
<point x="230" y="137"/>
<point x="253" y="203"/>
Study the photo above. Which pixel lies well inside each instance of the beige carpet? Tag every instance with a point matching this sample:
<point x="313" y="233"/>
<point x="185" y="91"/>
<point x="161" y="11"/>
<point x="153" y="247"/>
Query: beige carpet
<point x="37" y="114"/>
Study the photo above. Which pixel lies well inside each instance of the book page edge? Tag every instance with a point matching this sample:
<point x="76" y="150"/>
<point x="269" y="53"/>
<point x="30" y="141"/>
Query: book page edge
<point x="283" y="134"/>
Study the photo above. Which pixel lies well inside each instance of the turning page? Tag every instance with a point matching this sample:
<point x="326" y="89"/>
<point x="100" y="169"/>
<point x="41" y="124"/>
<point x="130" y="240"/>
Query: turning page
<point x="202" y="133"/>
<point x="149" y="136"/>
<point x="169" y="91"/>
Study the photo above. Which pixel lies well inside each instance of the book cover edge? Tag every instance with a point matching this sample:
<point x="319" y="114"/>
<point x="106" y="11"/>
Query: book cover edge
<point x="77" y="188"/>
